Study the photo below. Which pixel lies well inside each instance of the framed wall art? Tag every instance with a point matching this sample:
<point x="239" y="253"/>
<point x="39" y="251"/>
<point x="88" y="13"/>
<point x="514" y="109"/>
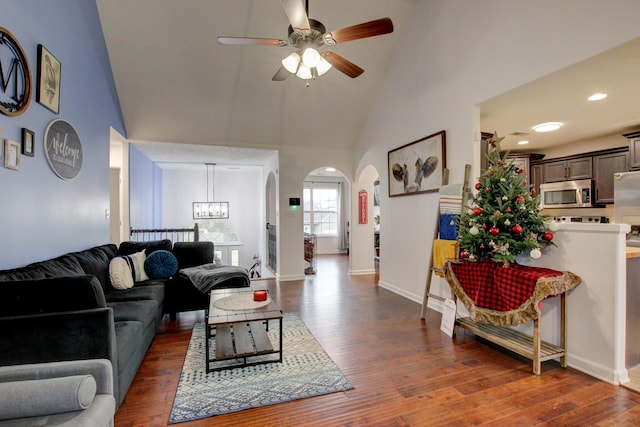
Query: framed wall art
<point x="417" y="167"/>
<point x="49" y="75"/>
<point x="27" y="142"/>
<point x="11" y="154"/>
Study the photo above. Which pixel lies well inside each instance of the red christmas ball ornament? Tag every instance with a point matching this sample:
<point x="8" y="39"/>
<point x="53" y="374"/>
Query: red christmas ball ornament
<point x="482" y="246"/>
<point x="464" y="254"/>
<point x="477" y="211"/>
<point x="478" y="186"/>
<point x="547" y="236"/>
<point x="494" y="231"/>
<point x="484" y="226"/>
<point x="508" y="210"/>
<point x="517" y="229"/>
<point x="520" y="199"/>
<point x="524" y="182"/>
<point x="533" y="191"/>
<point x="520" y="171"/>
<point x="486" y="190"/>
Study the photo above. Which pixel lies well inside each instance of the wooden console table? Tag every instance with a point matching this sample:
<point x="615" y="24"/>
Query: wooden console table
<point x="499" y="297"/>
<point x="531" y="347"/>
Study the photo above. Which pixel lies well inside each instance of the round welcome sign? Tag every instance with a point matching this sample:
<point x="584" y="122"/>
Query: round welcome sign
<point x="63" y="149"/>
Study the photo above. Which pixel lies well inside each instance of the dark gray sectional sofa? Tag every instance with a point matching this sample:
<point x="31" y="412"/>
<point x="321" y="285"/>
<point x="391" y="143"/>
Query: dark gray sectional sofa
<point x="66" y="309"/>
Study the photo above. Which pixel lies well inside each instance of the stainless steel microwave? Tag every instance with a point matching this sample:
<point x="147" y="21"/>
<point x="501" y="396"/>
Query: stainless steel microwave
<point x="567" y="194"/>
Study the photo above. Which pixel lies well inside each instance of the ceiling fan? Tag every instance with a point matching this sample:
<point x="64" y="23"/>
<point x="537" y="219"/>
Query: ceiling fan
<point x="308" y="36"/>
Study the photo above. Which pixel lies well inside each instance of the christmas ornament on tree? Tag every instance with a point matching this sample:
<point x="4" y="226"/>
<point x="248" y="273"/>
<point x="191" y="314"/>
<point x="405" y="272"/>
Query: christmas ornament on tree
<point x="503" y="219"/>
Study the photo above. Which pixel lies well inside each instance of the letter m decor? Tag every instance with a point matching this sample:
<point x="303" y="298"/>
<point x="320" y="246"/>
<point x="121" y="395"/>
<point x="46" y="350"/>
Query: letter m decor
<point x="15" y="76"/>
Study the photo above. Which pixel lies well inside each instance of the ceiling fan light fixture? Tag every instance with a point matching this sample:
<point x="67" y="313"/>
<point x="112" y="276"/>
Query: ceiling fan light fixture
<point x="304" y="72"/>
<point x="291" y="62"/>
<point x="311" y="57"/>
<point x="323" y="66"/>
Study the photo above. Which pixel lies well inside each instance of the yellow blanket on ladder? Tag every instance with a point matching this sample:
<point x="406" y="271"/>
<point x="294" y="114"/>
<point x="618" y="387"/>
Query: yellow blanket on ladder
<point x="442" y="251"/>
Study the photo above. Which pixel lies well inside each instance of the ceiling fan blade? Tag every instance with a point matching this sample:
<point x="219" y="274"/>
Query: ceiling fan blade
<point x="360" y="31"/>
<point x="343" y="65"/>
<point x="251" y="41"/>
<point x="280" y="75"/>
<point x="297" y="14"/>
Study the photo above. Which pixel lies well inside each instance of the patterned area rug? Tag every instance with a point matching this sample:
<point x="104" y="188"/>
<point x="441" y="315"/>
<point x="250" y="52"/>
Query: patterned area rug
<point x="306" y="371"/>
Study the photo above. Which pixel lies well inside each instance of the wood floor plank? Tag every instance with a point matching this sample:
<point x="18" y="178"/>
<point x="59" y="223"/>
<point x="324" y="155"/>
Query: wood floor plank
<point x="405" y="371"/>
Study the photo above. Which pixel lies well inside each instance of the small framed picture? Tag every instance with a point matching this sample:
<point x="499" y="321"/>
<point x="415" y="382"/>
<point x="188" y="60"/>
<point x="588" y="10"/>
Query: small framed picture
<point x="11" y="154"/>
<point x="27" y="142"/>
<point x="49" y="74"/>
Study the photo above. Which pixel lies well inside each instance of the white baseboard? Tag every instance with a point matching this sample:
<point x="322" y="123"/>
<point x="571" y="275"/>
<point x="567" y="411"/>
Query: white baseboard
<point x="290" y="277"/>
<point x="362" y="272"/>
<point x="598" y="371"/>
<point x="401" y="292"/>
<point x="331" y="252"/>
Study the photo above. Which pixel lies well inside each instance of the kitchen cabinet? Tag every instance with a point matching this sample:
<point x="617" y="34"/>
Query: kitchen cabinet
<point x="534" y="172"/>
<point x="605" y="165"/>
<point x="536" y="177"/>
<point x="634" y="149"/>
<point x="566" y="170"/>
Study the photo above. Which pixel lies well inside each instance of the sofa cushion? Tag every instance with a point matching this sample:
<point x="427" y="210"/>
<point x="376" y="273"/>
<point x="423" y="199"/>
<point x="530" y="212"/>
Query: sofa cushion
<point x="23" y="273"/>
<point x="161" y="265"/>
<point x="95" y="262"/>
<point x="128" y="248"/>
<point x="143" y="311"/>
<point x="46" y="396"/>
<point x="65" y="265"/>
<point x="150" y="289"/>
<point x="192" y="254"/>
<point x="128" y="337"/>
<point x="51" y="295"/>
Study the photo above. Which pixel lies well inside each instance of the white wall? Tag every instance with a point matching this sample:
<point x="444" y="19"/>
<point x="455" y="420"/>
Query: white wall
<point x="454" y="55"/>
<point x="294" y="165"/>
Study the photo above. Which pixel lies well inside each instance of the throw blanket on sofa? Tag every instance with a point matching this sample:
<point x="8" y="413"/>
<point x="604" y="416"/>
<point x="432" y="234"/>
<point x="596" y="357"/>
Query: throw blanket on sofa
<point x="208" y="276"/>
<point x="505" y="296"/>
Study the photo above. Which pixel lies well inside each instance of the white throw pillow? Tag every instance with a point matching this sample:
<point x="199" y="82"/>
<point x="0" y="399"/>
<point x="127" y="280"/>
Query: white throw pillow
<point x="125" y="270"/>
<point x="138" y="272"/>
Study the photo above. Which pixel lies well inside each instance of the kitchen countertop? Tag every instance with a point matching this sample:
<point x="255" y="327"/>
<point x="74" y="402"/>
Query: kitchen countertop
<point x="633" y="252"/>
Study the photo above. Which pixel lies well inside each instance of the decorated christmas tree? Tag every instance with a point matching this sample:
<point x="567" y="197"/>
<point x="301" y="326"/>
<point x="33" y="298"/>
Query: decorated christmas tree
<point x="503" y="220"/>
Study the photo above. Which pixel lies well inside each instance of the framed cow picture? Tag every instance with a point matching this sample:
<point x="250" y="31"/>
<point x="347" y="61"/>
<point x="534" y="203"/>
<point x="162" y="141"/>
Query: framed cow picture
<point x="418" y="166"/>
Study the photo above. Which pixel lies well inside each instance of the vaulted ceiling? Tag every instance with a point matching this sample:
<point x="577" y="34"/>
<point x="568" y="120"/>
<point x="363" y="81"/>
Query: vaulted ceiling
<point x="176" y="83"/>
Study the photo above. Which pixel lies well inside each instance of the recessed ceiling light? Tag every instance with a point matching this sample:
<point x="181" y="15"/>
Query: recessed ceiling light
<point x="330" y="169"/>
<point x="547" y="127"/>
<point x="523" y="142"/>
<point x="597" y="96"/>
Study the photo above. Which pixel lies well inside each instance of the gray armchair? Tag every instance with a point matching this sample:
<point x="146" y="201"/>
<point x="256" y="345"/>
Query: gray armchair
<point x="71" y="393"/>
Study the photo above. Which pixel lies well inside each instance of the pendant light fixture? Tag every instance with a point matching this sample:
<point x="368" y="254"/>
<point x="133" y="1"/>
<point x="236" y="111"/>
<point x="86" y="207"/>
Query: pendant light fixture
<point x="210" y="209"/>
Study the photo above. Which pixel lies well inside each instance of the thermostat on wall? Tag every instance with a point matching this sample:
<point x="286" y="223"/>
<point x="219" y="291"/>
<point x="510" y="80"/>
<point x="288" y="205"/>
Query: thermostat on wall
<point x="294" y="201"/>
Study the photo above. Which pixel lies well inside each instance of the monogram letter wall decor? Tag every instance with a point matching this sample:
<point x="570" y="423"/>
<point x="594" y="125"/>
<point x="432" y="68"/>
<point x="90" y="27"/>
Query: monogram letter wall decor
<point x="15" y="76"/>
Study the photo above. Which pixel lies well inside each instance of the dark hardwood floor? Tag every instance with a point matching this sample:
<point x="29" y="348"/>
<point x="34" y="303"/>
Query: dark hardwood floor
<point x="405" y="372"/>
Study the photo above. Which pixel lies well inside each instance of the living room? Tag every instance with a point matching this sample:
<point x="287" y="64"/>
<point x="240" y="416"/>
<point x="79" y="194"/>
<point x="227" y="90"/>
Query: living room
<point x="446" y="58"/>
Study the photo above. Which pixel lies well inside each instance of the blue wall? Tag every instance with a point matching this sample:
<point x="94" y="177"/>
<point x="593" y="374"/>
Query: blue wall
<point x="41" y="215"/>
<point x="145" y="191"/>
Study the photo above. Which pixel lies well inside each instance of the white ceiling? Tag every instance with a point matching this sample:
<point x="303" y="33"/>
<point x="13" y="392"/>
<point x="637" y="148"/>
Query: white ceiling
<point x="562" y="97"/>
<point x="176" y="84"/>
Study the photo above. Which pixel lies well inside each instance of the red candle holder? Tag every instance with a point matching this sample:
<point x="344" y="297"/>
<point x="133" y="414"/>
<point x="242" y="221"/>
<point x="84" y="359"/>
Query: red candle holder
<point x="260" y="295"/>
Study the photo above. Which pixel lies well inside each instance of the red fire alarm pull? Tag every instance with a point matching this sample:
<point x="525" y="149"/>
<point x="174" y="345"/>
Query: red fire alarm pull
<point x="363" y="206"/>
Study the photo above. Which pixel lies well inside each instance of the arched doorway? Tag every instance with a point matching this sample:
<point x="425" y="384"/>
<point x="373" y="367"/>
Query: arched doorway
<point x="364" y="241"/>
<point x="326" y="215"/>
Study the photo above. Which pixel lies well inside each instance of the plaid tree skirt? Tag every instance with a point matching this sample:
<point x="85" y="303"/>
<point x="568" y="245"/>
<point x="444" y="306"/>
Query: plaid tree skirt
<point x="505" y="295"/>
